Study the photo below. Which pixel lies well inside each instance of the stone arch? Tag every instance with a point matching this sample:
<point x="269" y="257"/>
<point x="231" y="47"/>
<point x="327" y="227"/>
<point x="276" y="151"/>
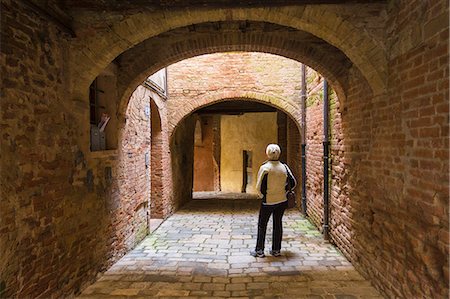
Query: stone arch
<point x="289" y="107"/>
<point x="328" y="22"/>
<point x="136" y="65"/>
<point x="184" y="115"/>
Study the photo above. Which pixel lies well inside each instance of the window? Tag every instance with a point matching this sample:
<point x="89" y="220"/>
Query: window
<point x="102" y="110"/>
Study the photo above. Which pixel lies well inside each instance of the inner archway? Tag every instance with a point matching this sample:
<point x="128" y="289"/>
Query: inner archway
<point x="230" y="140"/>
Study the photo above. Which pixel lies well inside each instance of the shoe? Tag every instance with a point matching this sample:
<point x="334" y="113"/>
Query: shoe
<point x="275" y="253"/>
<point x="257" y="253"/>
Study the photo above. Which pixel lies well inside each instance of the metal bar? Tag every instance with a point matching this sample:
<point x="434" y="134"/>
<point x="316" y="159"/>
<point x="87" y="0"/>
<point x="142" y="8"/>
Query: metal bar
<point x="244" y="172"/>
<point x="325" y="161"/>
<point x="149" y="84"/>
<point x="303" y="104"/>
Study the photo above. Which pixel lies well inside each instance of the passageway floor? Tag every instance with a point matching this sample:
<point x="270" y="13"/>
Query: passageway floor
<point x="203" y="251"/>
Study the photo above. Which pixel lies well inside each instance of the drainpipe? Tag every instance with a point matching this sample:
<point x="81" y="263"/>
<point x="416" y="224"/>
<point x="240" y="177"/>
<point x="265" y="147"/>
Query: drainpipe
<point x="326" y="144"/>
<point x="303" y="104"/>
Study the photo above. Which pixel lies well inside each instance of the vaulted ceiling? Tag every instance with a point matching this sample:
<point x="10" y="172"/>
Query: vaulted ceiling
<point x="236" y="107"/>
<point x="167" y="4"/>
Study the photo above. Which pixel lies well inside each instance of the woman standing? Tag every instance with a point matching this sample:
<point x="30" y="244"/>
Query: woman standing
<point x="271" y="185"/>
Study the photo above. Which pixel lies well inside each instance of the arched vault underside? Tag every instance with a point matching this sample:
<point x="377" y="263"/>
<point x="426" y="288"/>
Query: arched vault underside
<point x="154" y="53"/>
<point x="322" y="36"/>
<point x="284" y="105"/>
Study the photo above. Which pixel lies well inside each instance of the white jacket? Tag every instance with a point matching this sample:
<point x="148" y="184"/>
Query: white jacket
<point x="271" y="182"/>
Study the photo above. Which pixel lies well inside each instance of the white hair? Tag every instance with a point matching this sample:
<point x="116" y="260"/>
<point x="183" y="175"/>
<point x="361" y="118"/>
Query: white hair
<point x="273" y="151"/>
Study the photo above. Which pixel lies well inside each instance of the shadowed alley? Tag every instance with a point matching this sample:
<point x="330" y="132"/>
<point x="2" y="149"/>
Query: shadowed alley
<point x="203" y="251"/>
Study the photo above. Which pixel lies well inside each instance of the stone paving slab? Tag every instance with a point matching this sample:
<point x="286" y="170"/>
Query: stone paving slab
<point x="202" y="251"/>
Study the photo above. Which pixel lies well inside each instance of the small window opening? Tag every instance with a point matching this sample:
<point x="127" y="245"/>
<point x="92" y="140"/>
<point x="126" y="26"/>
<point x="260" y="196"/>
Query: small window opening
<point x="102" y="110"/>
<point x="247" y="171"/>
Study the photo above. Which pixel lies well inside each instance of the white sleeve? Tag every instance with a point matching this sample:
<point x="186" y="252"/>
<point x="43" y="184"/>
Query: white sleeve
<point x="261" y="173"/>
<point x="292" y="176"/>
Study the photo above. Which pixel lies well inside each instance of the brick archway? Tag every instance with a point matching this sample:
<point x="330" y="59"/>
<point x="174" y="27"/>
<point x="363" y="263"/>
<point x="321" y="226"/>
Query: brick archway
<point x="182" y="43"/>
<point x="364" y="48"/>
<point x="287" y="106"/>
<point x="183" y="124"/>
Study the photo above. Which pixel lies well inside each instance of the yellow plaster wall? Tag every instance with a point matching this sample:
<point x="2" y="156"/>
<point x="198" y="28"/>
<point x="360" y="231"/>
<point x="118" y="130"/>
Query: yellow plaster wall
<point x="251" y="132"/>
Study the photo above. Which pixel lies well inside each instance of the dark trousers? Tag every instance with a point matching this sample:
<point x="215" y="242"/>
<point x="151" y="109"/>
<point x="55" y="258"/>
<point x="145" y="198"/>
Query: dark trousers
<point x="277" y="234"/>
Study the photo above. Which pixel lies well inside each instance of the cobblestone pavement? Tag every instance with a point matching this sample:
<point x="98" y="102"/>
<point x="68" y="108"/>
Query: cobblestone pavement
<point x="203" y="251"/>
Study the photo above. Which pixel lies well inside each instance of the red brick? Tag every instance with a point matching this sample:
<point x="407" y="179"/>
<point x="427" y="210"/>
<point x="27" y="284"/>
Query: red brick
<point x="420" y="122"/>
<point x="442" y="108"/>
<point x="432" y="165"/>
<point x="429" y="132"/>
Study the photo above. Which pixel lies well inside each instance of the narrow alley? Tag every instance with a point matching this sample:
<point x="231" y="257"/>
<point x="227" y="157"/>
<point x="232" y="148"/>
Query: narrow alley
<point x="203" y="251"/>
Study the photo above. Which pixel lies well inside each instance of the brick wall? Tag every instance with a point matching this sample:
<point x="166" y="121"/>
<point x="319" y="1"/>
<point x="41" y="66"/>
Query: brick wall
<point x="314" y="149"/>
<point x="131" y="221"/>
<point x="409" y="155"/>
<point x="293" y="157"/>
<point x="396" y="159"/>
<point x="65" y="214"/>
<point x="339" y="216"/>
<point x="44" y="184"/>
<point x="397" y="147"/>
<point x="202" y="80"/>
